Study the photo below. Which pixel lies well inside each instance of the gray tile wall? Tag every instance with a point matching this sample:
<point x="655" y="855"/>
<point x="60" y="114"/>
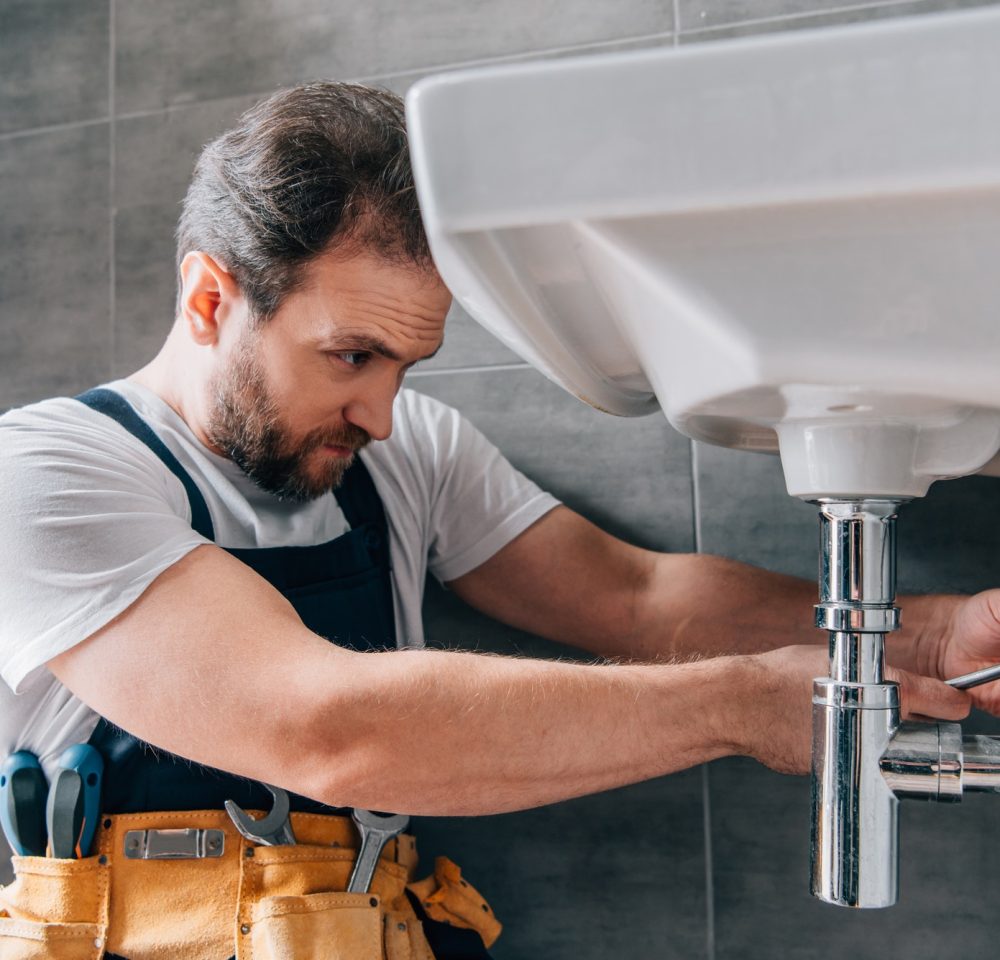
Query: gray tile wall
<point x="103" y="107"/>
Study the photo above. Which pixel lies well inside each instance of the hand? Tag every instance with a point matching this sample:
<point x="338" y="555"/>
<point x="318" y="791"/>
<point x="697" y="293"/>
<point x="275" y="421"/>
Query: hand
<point x="968" y="640"/>
<point x="779" y="727"/>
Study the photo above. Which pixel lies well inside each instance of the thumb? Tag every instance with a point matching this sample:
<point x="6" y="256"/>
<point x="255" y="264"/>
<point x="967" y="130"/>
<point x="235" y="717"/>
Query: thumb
<point x="927" y="697"/>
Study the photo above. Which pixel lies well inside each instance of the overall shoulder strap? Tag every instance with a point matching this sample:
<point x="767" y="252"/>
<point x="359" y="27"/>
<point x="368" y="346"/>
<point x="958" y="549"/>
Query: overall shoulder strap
<point x="359" y="499"/>
<point x="115" y="406"/>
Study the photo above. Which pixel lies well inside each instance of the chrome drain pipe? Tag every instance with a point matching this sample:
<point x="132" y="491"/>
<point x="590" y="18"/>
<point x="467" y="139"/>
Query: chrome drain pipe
<point x="855" y="828"/>
<point x="863" y="758"/>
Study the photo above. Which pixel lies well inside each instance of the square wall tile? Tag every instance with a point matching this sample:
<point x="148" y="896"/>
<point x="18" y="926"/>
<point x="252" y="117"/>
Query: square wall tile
<point x="746" y="512"/>
<point x="154" y="159"/>
<point x="185" y="51"/>
<point x="467" y="344"/>
<point x="763" y="909"/>
<point x="55" y="56"/>
<point x="55" y="328"/>
<point x="724" y="19"/>
<point x="630" y="476"/>
<point x="617" y="871"/>
<point x="947" y="541"/>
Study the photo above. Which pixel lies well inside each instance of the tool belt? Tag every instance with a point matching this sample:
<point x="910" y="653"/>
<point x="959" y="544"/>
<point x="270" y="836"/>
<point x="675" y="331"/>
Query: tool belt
<point x="164" y="886"/>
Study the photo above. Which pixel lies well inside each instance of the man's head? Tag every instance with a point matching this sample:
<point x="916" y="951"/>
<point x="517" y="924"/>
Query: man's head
<point x="320" y="164"/>
<point x="305" y="272"/>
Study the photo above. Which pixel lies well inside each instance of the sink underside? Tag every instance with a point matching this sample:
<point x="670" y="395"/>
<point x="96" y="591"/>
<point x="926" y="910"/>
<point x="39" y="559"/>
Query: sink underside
<point x="789" y="240"/>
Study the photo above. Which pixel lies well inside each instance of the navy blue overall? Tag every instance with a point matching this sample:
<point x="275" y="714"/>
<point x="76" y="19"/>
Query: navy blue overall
<point x="341" y="589"/>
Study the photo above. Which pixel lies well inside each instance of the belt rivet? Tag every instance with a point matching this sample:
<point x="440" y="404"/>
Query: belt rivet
<point x="373" y="902"/>
<point x="245" y="929"/>
<point x="248" y="852"/>
<point x="107" y="824"/>
<point x="401" y="926"/>
<point x="102" y="860"/>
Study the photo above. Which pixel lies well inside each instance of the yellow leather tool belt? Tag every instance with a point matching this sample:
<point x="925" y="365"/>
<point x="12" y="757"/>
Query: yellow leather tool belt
<point x="164" y="886"/>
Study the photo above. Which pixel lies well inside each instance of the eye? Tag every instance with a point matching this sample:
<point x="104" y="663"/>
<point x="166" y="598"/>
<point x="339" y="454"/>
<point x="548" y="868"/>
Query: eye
<point x="354" y="358"/>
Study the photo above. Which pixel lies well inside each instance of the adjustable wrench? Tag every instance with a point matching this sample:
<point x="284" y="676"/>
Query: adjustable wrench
<point x="376" y="830"/>
<point x="272" y="830"/>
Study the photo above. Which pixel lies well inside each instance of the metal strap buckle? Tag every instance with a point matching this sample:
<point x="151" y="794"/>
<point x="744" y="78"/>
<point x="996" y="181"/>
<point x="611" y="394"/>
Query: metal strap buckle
<point x="174" y="844"/>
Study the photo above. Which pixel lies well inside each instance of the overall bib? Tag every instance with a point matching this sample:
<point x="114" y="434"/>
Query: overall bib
<point x="289" y="900"/>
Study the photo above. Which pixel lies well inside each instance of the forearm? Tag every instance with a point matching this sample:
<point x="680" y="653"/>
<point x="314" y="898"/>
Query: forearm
<point x="702" y="605"/>
<point x="438" y="733"/>
<point x="713" y="606"/>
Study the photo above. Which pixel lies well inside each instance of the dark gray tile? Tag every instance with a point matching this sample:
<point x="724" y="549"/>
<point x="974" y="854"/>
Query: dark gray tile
<point x="577" y="879"/>
<point x="760" y="837"/>
<point x="54" y="273"/>
<point x="747" y="514"/>
<point x="55" y="56"/>
<point x="949" y="541"/>
<point x="400" y="83"/>
<point x="700" y="14"/>
<point x="616" y="873"/>
<point x="946" y="542"/>
<point x="467" y="344"/>
<point x="726" y="19"/>
<point x="154" y="158"/>
<point x="630" y="476"/>
<point x="181" y="52"/>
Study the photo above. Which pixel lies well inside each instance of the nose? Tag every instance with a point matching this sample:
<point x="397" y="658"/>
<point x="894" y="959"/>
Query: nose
<point x="372" y="412"/>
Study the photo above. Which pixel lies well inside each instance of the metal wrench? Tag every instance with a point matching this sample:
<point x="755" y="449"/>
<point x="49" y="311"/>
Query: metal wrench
<point x="376" y="830"/>
<point x="272" y="830"/>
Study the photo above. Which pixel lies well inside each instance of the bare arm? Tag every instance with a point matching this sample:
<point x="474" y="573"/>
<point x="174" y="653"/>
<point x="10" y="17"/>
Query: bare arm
<point x="233" y="679"/>
<point x="568" y="580"/>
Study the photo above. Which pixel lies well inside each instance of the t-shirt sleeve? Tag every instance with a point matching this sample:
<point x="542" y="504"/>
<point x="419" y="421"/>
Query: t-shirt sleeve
<point x="90" y="518"/>
<point x="478" y="501"/>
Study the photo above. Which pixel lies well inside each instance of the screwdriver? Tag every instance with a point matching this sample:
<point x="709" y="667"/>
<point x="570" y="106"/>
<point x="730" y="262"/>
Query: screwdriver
<point x="976" y="678"/>
<point x="22" y="804"/>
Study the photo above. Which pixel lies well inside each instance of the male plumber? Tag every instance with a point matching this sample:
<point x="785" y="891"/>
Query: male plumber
<point x="211" y="574"/>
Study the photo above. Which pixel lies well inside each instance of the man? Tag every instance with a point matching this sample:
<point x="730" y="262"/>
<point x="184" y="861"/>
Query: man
<point x="179" y="548"/>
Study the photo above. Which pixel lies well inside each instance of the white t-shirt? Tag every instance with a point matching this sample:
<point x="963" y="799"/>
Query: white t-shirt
<point x="90" y="516"/>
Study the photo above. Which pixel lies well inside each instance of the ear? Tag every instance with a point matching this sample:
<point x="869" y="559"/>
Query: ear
<point x="208" y="293"/>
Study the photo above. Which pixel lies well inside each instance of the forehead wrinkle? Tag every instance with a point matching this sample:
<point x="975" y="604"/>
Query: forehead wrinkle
<point x="389" y="308"/>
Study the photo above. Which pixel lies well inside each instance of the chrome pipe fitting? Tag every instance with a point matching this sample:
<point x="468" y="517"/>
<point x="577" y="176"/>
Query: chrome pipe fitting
<point x="855" y="712"/>
<point x="933" y="761"/>
<point x="924" y="761"/>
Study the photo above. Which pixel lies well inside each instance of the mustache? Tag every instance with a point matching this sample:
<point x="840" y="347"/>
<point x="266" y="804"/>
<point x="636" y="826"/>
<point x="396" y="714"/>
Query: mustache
<point x="349" y="435"/>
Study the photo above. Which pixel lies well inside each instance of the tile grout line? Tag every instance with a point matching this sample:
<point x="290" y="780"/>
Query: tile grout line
<point x="706" y="810"/>
<point x="52" y="128"/>
<point x="674" y="36"/>
<point x="595" y="46"/>
<point x="480" y="368"/>
<point x="112" y="184"/>
<point x="706" y="792"/>
<point x="806" y="16"/>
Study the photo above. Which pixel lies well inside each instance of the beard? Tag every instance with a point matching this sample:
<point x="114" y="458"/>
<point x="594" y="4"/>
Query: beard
<point x="245" y="423"/>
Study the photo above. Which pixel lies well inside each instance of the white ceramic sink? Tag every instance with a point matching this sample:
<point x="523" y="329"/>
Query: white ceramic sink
<point x="789" y="240"/>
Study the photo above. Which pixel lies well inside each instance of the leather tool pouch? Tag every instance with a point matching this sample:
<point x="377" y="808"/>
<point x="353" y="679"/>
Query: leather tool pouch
<point x="448" y="898"/>
<point x="54" y="910"/>
<point x="292" y="907"/>
<point x="277" y="903"/>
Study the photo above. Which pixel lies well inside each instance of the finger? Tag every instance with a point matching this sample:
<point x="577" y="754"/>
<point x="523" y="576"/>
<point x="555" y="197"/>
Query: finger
<point x="931" y="698"/>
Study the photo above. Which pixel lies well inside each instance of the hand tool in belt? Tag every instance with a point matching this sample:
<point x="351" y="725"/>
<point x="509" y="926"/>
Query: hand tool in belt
<point x="74" y="803"/>
<point x="272" y="830"/>
<point x="376" y="830"/>
<point x="22" y="804"/>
